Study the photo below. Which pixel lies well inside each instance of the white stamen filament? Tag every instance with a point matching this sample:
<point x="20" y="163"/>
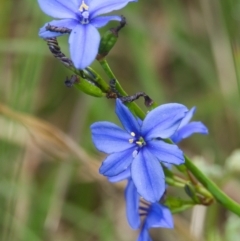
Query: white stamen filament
<point x="133" y="134"/>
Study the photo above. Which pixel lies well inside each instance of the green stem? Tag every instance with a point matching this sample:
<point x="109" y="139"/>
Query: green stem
<point x="132" y="106"/>
<point x="220" y="196"/>
<point x="97" y="78"/>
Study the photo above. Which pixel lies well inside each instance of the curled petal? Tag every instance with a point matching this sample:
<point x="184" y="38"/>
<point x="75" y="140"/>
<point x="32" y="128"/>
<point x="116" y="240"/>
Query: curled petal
<point x="116" y="163"/>
<point x="163" y="121"/>
<point x="84" y="42"/>
<point x="148" y="176"/>
<point x="165" y="152"/>
<point x="132" y="205"/>
<point x="159" y="217"/>
<point x="127" y="119"/>
<point x="98" y="7"/>
<point x="59" y="8"/>
<point x="187" y="118"/>
<point x="109" y="138"/>
<point x="188" y="130"/>
<point x="101" y="21"/>
<point x="64" y="23"/>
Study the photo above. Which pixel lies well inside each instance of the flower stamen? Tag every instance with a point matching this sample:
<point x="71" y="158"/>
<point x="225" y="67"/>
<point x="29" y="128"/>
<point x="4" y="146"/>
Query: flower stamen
<point x="85" y="17"/>
<point x="83" y="6"/>
<point x="131" y="141"/>
<point x="141" y="142"/>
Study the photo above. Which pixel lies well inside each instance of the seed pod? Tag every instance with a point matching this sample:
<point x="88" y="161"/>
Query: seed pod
<point x="191" y="192"/>
<point x="85" y="85"/>
<point x="107" y="42"/>
<point x="109" y="39"/>
<point x="89" y="88"/>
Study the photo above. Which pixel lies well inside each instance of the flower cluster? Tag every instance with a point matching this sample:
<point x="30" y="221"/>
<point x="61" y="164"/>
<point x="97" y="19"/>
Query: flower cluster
<point x="82" y="18"/>
<point x="136" y="153"/>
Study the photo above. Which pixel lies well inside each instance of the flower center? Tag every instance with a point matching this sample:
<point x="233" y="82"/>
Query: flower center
<point x="84" y="19"/>
<point x="140" y="141"/>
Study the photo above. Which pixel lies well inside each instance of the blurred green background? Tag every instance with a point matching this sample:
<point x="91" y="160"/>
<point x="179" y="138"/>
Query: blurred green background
<point x="176" y="51"/>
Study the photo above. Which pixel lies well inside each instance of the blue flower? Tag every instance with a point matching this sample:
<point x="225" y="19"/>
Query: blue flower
<point x="153" y="215"/>
<point x="186" y="129"/>
<point x="140" y="146"/>
<point x="140" y="213"/>
<point x="82" y="17"/>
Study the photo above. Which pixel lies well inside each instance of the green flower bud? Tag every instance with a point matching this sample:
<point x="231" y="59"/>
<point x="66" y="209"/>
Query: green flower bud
<point x="177" y="205"/>
<point x="109" y="39"/>
<point x="89" y="88"/>
<point x="85" y="85"/>
<point x="191" y="192"/>
<point x="107" y="42"/>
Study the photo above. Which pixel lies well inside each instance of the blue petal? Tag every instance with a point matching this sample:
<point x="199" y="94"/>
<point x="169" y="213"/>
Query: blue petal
<point x="188" y="130"/>
<point x="144" y="235"/>
<point x="120" y="177"/>
<point x="148" y="176"/>
<point x="127" y="119"/>
<point x="187" y="118"/>
<point x="77" y="3"/>
<point x="66" y="23"/>
<point x="109" y="138"/>
<point x="132" y="205"/>
<point x="98" y="7"/>
<point x="159" y="217"/>
<point x="165" y="152"/>
<point x="84" y="42"/>
<point x="116" y="163"/>
<point x="59" y="8"/>
<point x="163" y="121"/>
<point x="101" y="21"/>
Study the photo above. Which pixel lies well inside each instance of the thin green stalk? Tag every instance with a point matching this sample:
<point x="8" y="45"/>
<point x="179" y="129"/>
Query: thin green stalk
<point x="173" y="182"/>
<point x="218" y="194"/>
<point x="107" y="69"/>
<point x="132" y="106"/>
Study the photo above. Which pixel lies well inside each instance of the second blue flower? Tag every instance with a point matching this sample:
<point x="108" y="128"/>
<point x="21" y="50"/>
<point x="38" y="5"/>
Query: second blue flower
<point x="140" y="146"/>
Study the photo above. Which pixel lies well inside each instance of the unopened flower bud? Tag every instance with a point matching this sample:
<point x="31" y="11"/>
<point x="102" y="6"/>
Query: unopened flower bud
<point x="109" y="39"/>
<point x="85" y="85"/>
<point x="107" y="42"/>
